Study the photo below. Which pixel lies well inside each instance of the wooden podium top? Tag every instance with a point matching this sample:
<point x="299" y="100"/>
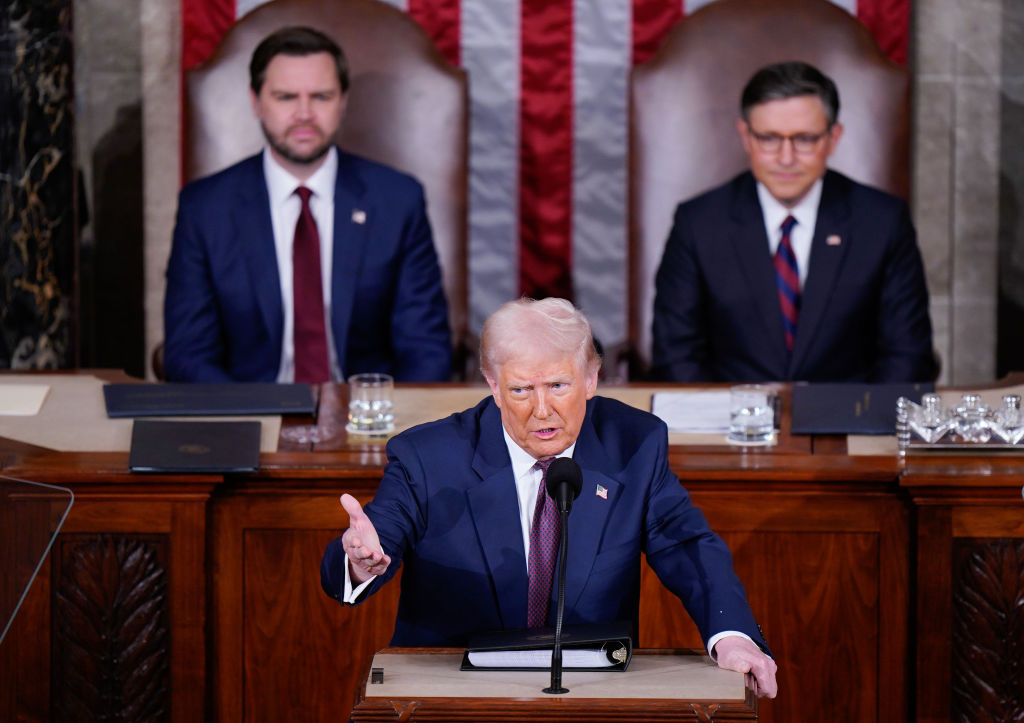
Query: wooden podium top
<point x="421" y="684"/>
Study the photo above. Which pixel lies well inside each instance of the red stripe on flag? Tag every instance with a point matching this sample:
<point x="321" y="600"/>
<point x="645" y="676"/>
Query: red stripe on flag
<point x="545" y="148"/>
<point x="652" y="19"/>
<point x="441" y="19"/>
<point x="203" y="24"/>
<point x="889" y="23"/>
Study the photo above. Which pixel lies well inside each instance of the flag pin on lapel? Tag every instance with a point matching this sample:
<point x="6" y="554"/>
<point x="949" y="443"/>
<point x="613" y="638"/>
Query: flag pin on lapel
<point x="833" y="240"/>
<point x="602" y="492"/>
<point x="358" y="216"/>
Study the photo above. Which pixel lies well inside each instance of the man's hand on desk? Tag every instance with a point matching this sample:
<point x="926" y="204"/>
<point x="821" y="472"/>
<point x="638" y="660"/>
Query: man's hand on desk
<point x="365" y="556"/>
<point x="743" y="656"/>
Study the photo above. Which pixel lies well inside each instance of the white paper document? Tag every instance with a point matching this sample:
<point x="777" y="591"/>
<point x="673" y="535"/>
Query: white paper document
<point x="706" y="411"/>
<point x="571" y="658"/>
<point x="22" y="400"/>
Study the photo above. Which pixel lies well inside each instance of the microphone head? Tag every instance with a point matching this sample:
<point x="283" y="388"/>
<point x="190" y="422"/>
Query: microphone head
<point x="564" y="471"/>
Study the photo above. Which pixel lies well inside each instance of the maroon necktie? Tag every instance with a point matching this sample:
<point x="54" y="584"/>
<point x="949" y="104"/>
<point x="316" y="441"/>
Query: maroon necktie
<point x="545" y="534"/>
<point x="310" y="336"/>
<point x="787" y="280"/>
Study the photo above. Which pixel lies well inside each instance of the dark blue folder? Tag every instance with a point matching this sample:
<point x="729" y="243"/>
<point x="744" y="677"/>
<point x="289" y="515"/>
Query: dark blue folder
<point x="851" y="408"/>
<point x="206" y="400"/>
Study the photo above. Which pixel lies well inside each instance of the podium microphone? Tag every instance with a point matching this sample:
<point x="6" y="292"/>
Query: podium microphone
<point x="564" y="480"/>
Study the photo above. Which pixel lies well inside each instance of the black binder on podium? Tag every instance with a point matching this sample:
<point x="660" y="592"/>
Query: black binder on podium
<point x="592" y="646"/>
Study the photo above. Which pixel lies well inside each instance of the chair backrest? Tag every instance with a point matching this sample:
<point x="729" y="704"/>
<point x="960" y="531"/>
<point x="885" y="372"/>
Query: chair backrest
<point x="407" y="108"/>
<point x="685" y="101"/>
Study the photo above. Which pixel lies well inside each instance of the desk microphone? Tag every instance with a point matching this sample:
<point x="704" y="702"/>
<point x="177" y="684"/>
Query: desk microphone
<point x="563" y="481"/>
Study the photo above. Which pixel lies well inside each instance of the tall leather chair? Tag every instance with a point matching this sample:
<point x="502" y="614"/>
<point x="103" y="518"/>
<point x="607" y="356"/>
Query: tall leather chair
<point x="685" y="101"/>
<point x="407" y="108"/>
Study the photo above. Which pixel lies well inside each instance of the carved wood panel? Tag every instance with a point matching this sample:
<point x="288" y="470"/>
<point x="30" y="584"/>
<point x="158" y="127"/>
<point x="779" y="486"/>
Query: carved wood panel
<point x="988" y="630"/>
<point x="111" y="639"/>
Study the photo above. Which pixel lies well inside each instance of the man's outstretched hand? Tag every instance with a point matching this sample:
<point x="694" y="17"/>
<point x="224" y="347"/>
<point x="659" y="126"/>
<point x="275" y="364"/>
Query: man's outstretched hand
<point x="734" y="652"/>
<point x="365" y="556"/>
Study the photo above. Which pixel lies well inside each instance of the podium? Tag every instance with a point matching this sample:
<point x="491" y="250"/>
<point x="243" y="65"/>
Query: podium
<point x="425" y="684"/>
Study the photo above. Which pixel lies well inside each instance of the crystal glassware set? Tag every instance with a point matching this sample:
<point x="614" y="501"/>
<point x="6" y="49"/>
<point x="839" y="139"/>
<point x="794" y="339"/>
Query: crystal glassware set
<point x="969" y="422"/>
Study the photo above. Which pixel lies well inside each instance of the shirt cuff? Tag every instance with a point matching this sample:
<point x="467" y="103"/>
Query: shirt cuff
<point x="711" y="643"/>
<point x="351" y="595"/>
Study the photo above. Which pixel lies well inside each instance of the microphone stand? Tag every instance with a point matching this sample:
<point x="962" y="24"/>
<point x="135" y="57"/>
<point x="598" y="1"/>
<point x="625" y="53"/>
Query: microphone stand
<point x="556" y="652"/>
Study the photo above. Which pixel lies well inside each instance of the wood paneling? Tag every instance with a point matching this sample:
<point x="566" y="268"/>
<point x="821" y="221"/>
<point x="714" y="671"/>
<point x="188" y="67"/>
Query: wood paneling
<point x="863" y="572"/>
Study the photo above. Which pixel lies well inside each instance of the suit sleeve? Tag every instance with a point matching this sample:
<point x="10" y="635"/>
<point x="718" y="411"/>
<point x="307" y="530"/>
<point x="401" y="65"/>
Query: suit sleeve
<point x="397" y="513"/>
<point x="691" y="560"/>
<point x="419" y="322"/>
<point x="904" y="351"/>
<point x="194" y="347"/>
<point x="680" y="346"/>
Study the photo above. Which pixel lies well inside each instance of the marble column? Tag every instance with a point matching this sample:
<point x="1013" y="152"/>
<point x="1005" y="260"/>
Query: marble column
<point x="37" y="186"/>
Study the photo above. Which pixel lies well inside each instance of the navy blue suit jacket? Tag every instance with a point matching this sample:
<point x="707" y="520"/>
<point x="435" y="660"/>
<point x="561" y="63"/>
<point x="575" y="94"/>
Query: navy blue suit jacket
<point x="864" y="305"/>
<point x="447" y="512"/>
<point x="223" y="317"/>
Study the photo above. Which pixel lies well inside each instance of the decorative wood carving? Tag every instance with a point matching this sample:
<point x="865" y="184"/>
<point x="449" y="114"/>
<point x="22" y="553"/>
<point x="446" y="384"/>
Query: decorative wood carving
<point x="704" y="713"/>
<point x="110" y="639"/>
<point x="404" y="709"/>
<point x="988" y="630"/>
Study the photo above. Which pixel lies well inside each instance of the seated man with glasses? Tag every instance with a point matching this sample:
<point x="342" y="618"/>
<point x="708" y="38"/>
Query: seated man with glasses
<point x="790" y="271"/>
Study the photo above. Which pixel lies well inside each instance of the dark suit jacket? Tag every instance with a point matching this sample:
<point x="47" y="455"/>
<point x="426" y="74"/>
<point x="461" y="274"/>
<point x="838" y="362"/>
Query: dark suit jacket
<point x="223" y="318"/>
<point x="864" y="305"/>
<point x="447" y="511"/>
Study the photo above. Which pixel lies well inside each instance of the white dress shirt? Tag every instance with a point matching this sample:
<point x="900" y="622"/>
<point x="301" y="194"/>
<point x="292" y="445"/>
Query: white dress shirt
<point x="806" y="214"/>
<point x="285" y="207"/>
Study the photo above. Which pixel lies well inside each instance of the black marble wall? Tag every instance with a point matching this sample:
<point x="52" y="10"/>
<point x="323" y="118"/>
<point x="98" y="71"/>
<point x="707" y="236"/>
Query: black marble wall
<point x="37" y="185"/>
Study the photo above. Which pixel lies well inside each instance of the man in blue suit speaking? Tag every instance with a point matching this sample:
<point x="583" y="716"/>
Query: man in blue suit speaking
<point x="303" y="263"/>
<point x="461" y="507"/>
<point x="790" y="271"/>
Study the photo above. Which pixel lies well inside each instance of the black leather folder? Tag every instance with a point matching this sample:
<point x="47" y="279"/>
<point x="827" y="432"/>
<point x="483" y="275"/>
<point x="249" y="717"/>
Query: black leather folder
<point x="851" y="408"/>
<point x="205" y="400"/>
<point x="194" y="447"/>
<point x="611" y="643"/>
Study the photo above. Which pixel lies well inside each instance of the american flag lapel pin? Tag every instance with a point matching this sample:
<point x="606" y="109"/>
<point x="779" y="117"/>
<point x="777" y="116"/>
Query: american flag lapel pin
<point x="358" y="216"/>
<point x="602" y="492"/>
<point x="833" y="240"/>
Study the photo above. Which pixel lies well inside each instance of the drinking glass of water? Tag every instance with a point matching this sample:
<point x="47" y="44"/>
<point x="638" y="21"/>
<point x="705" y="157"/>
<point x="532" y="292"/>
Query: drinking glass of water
<point x="751" y="418"/>
<point x="371" y="407"/>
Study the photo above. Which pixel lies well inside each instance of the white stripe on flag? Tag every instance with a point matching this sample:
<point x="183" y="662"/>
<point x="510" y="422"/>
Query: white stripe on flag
<point x="490" y="55"/>
<point x="602" y="48"/>
<point x="245" y="6"/>
<point x="849" y="6"/>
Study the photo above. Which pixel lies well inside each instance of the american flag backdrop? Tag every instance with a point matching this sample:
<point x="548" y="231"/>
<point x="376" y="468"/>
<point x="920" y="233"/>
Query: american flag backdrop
<point x="548" y="132"/>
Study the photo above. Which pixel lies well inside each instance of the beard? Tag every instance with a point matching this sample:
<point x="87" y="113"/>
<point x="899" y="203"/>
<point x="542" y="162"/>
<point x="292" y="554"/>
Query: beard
<point x="281" y="147"/>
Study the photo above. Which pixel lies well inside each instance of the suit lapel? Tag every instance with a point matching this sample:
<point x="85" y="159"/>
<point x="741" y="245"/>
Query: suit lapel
<point x="494" y="506"/>
<point x="256" y="242"/>
<point x="750" y="244"/>
<point x="352" y="218"/>
<point x="823" y="268"/>
<point x="589" y="513"/>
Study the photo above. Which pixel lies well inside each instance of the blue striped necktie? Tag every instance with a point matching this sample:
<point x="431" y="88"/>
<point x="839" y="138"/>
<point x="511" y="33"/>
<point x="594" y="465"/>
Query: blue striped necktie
<point x="787" y="280"/>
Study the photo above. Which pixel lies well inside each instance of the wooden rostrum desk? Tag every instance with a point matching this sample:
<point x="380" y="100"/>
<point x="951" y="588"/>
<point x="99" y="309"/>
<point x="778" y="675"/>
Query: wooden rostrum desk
<point x="199" y="597"/>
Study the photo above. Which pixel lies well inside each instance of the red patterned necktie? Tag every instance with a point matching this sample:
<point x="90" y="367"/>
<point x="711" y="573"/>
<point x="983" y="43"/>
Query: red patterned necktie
<point x="787" y="279"/>
<point x="545" y="534"/>
<point x="310" y="335"/>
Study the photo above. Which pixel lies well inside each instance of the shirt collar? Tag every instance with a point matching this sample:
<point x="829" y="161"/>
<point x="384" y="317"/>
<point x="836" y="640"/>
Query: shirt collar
<point x="805" y="212"/>
<point x="281" y="184"/>
<point x="523" y="461"/>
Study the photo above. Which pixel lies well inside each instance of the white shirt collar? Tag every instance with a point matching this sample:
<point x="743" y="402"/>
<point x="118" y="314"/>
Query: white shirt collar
<point x="281" y="184"/>
<point x="805" y="211"/>
<point x="523" y="461"/>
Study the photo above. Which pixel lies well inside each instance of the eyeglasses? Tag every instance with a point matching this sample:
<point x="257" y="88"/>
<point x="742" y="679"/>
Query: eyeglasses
<point x="803" y="143"/>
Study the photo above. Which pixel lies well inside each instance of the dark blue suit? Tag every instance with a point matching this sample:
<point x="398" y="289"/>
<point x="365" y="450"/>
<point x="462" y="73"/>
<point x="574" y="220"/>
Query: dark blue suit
<point x="447" y="511"/>
<point x="864" y="306"/>
<point x="223" y="317"/>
